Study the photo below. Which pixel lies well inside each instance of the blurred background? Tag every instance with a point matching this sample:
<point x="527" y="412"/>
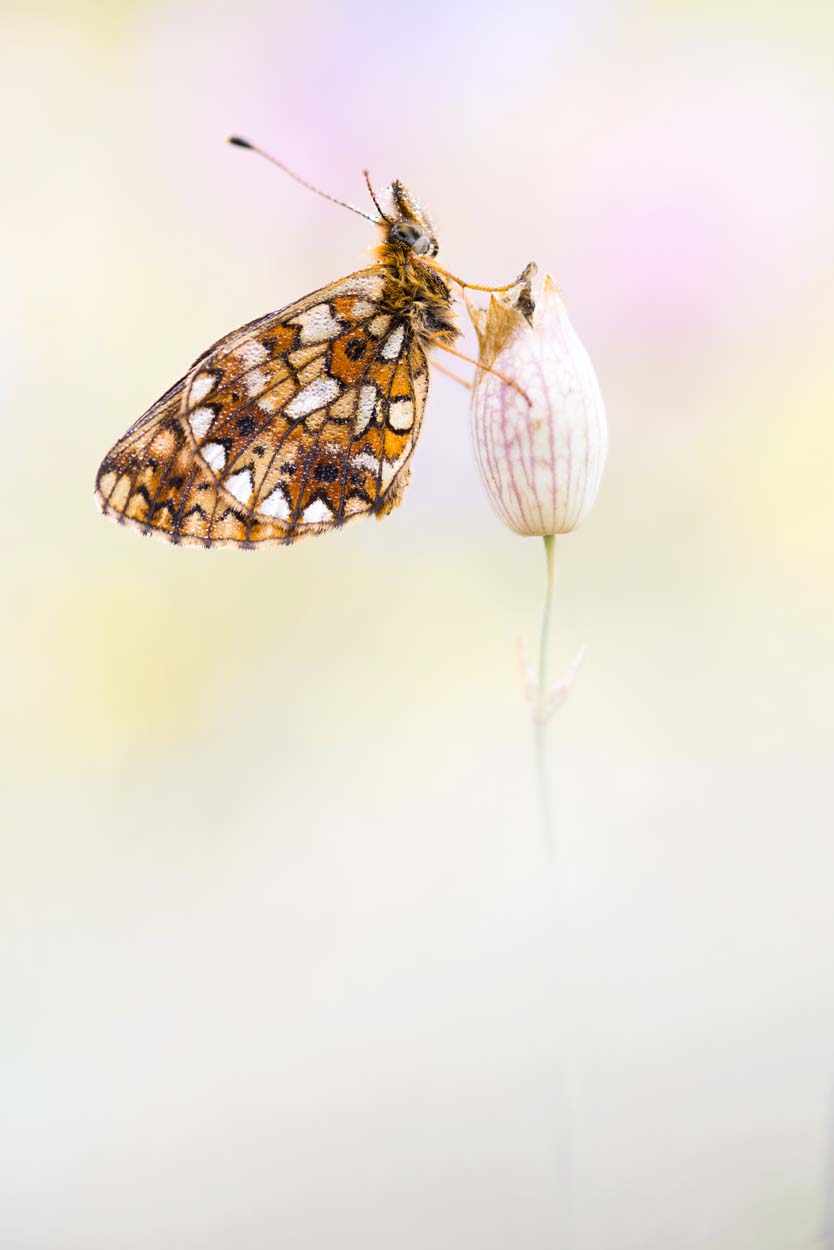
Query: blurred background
<point x="283" y="960"/>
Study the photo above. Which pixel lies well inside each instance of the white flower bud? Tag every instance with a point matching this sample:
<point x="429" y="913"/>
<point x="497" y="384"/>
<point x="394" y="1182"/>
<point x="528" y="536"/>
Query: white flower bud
<point x="542" y="461"/>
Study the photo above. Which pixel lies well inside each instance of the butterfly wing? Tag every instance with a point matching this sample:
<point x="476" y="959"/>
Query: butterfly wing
<point x="296" y="423"/>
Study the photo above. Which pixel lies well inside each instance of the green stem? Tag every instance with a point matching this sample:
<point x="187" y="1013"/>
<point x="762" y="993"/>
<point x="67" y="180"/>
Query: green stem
<point x="540" y="717"/>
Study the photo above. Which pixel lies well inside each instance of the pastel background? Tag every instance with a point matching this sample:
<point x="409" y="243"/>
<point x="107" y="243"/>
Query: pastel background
<point x="281" y="960"/>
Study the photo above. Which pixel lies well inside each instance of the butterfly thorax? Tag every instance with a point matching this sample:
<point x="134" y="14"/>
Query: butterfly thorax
<point x="415" y="291"/>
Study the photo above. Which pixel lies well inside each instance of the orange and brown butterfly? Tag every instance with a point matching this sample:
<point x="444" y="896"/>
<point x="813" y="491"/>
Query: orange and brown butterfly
<point x="301" y="420"/>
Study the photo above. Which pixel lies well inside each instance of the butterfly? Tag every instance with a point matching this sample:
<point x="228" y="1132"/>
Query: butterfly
<point x="303" y="419"/>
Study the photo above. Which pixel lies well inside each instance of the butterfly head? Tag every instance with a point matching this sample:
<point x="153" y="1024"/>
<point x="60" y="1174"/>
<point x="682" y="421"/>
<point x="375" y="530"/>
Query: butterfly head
<point x="409" y="225"/>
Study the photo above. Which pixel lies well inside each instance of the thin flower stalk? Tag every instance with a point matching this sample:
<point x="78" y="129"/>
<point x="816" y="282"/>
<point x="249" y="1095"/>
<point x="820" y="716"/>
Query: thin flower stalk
<point x="541" y="440"/>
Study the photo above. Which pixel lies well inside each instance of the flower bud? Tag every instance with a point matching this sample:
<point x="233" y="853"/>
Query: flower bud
<point x="541" y="461"/>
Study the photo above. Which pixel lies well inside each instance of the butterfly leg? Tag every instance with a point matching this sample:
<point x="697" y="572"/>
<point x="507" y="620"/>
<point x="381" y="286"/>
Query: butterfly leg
<point x="479" y="365"/>
<point x="450" y="373"/>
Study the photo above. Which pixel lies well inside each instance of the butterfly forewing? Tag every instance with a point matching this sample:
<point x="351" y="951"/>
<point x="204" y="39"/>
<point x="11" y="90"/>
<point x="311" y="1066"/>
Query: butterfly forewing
<point x="300" y="421"/>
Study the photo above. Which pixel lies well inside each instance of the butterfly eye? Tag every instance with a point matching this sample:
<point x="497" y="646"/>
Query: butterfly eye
<point x="413" y="236"/>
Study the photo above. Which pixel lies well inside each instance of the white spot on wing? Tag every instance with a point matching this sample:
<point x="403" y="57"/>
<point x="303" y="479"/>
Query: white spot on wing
<point x="255" y="381"/>
<point x="214" y="455"/>
<point x="200" y="421"/>
<point x="240" y="485"/>
<point x="276" y="505"/>
<point x="363" y="284"/>
<point x="314" y="395"/>
<point x="269" y="403"/>
<point x="401" y="414"/>
<point x="200" y="387"/>
<point x="379" y="325"/>
<point x="365" y="460"/>
<point x="317" y="324"/>
<point x="317" y="511"/>
<point x="362" y="308"/>
<point x="391" y="346"/>
<point x="248" y="355"/>
<point x="365" y="408"/>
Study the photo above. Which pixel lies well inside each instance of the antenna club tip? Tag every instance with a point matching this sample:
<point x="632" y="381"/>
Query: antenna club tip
<point x="238" y="142"/>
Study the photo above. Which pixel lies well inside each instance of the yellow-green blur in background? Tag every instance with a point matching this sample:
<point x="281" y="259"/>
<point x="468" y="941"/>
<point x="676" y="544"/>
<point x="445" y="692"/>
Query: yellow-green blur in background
<point x="281" y="960"/>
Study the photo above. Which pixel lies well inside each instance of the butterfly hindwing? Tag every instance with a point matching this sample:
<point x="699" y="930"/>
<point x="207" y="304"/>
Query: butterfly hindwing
<point x="298" y="422"/>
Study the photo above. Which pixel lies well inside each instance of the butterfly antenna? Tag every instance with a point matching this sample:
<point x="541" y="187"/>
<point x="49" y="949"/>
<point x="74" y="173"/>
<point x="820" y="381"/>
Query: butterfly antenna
<point x="373" y="196"/>
<point x="244" y="143"/>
